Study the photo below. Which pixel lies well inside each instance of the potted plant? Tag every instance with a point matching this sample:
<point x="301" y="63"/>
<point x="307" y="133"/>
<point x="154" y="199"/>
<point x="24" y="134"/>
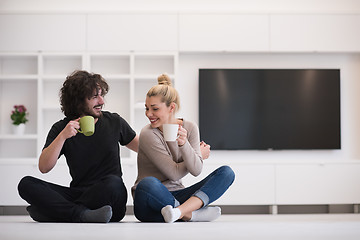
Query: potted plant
<point x="18" y="117"/>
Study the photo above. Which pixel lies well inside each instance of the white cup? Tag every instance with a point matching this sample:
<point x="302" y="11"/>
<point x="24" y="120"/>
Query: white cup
<point x="170" y="132"/>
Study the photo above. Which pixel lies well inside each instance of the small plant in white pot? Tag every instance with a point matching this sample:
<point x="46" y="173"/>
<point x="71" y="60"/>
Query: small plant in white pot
<point x="18" y="117"/>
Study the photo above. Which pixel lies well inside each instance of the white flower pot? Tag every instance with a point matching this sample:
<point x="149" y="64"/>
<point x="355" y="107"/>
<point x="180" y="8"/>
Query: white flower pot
<point x="19" y="129"/>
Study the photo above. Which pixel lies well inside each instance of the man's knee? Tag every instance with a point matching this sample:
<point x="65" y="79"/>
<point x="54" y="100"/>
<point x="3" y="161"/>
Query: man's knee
<point x="25" y="185"/>
<point x="114" y="187"/>
<point x="113" y="183"/>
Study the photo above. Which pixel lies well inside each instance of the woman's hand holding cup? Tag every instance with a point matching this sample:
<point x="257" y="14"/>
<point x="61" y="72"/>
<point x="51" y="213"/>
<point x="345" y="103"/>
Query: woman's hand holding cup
<point x="182" y="136"/>
<point x="174" y="132"/>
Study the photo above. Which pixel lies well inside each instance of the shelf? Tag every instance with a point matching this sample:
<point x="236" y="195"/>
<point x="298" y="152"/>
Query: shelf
<point x="19" y="161"/>
<point x="153" y="66"/>
<point x="61" y="64"/>
<point x="150" y="77"/>
<point x="50" y="93"/>
<point x="51" y="108"/>
<point x="118" y="98"/>
<point x="14" y="137"/>
<point x="14" y="64"/>
<point x="14" y="147"/>
<point x="21" y="77"/>
<point x="119" y="77"/>
<point x="110" y="64"/>
<point x="139" y="105"/>
<point x="142" y="88"/>
<point x="54" y="77"/>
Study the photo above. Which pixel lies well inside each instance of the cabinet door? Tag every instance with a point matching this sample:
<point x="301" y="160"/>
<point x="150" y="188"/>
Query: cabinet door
<point x="315" y="33"/>
<point x="42" y="32"/>
<point x="220" y="32"/>
<point x="253" y="185"/>
<point x="129" y="177"/>
<point x="10" y="176"/>
<point x="132" y="32"/>
<point x="318" y="184"/>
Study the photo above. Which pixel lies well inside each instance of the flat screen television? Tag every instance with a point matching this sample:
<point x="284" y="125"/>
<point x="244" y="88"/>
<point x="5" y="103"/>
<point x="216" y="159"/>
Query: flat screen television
<point x="265" y="109"/>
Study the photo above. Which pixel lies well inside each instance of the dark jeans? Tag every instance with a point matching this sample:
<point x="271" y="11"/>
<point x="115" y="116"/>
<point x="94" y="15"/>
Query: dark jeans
<point x="63" y="204"/>
<point x="151" y="195"/>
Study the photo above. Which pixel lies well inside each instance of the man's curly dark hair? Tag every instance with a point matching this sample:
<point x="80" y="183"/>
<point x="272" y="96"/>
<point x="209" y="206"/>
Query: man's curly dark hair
<point x="77" y="87"/>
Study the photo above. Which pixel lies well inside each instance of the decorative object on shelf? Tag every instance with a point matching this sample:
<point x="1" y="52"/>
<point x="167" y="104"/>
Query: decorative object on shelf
<point x="18" y="116"/>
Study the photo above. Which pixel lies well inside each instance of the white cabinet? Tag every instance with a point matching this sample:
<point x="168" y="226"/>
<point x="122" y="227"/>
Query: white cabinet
<point x="129" y="176"/>
<point x="42" y="32"/>
<point x="318" y="183"/>
<point x="269" y="32"/>
<point x="288" y="184"/>
<point x="9" y="182"/>
<point x="307" y="33"/>
<point x="184" y="32"/>
<point x="254" y="184"/>
<point x="132" y="32"/>
<point x="223" y="32"/>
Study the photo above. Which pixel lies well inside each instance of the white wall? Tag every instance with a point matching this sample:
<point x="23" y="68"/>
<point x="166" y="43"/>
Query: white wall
<point x="187" y="85"/>
<point x="267" y="170"/>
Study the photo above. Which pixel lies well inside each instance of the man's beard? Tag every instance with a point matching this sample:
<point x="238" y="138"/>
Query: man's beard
<point x="90" y="112"/>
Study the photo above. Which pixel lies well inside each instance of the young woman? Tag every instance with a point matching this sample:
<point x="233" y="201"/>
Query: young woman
<point x="159" y="195"/>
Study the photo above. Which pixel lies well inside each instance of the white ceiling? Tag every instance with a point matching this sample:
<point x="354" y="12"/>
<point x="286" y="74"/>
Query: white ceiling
<point x="246" y="6"/>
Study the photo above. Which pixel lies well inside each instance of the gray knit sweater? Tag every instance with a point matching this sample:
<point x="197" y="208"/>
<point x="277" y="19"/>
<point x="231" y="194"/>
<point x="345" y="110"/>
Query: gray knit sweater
<point x="166" y="160"/>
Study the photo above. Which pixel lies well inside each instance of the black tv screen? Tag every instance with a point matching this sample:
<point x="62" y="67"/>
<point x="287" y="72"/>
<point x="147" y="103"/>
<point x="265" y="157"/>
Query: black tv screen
<point x="270" y="108"/>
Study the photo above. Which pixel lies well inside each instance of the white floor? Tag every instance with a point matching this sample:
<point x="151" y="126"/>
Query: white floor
<point x="240" y="227"/>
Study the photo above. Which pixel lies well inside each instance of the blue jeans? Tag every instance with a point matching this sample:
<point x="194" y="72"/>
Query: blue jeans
<point x="151" y="195"/>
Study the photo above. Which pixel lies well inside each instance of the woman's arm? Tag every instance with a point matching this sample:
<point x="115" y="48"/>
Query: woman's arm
<point x="153" y="147"/>
<point x="205" y="150"/>
<point x="191" y="152"/>
<point x="159" y="153"/>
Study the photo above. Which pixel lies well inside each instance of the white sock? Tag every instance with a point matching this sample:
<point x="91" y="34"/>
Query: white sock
<point x="206" y="214"/>
<point x="170" y="214"/>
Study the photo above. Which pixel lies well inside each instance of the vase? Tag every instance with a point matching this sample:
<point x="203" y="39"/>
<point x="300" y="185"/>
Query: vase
<point x="19" y="129"/>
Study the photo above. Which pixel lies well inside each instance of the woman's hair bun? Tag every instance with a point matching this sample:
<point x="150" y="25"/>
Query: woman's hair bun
<point x="164" y="79"/>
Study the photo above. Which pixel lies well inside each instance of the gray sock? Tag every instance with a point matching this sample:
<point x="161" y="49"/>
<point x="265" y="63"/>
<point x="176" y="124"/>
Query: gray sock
<point x="206" y="214"/>
<point x="100" y="215"/>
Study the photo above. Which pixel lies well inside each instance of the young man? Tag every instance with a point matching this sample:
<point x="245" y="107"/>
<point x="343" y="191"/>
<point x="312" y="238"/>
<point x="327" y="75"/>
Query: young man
<point x="97" y="192"/>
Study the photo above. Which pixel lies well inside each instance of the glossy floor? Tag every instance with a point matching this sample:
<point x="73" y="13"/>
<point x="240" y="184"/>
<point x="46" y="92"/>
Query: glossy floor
<point x="280" y="227"/>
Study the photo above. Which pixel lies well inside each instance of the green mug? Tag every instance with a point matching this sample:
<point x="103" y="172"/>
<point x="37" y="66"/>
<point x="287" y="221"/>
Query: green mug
<point x="87" y="125"/>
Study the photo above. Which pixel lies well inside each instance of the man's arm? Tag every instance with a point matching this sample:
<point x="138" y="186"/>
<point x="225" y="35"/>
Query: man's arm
<point x="134" y="144"/>
<point x="49" y="155"/>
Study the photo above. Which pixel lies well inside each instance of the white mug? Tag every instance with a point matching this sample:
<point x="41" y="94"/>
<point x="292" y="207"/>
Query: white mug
<point x="170" y="132"/>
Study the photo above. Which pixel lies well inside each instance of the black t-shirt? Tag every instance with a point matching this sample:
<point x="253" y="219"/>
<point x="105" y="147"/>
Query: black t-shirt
<point x="91" y="158"/>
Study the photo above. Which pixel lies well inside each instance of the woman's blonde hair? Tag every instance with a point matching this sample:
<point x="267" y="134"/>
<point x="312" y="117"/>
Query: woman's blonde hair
<point x="166" y="91"/>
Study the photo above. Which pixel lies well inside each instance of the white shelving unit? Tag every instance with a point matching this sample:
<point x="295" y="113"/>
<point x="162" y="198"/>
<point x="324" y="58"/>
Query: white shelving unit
<point x="18" y="85"/>
<point x="34" y="80"/>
